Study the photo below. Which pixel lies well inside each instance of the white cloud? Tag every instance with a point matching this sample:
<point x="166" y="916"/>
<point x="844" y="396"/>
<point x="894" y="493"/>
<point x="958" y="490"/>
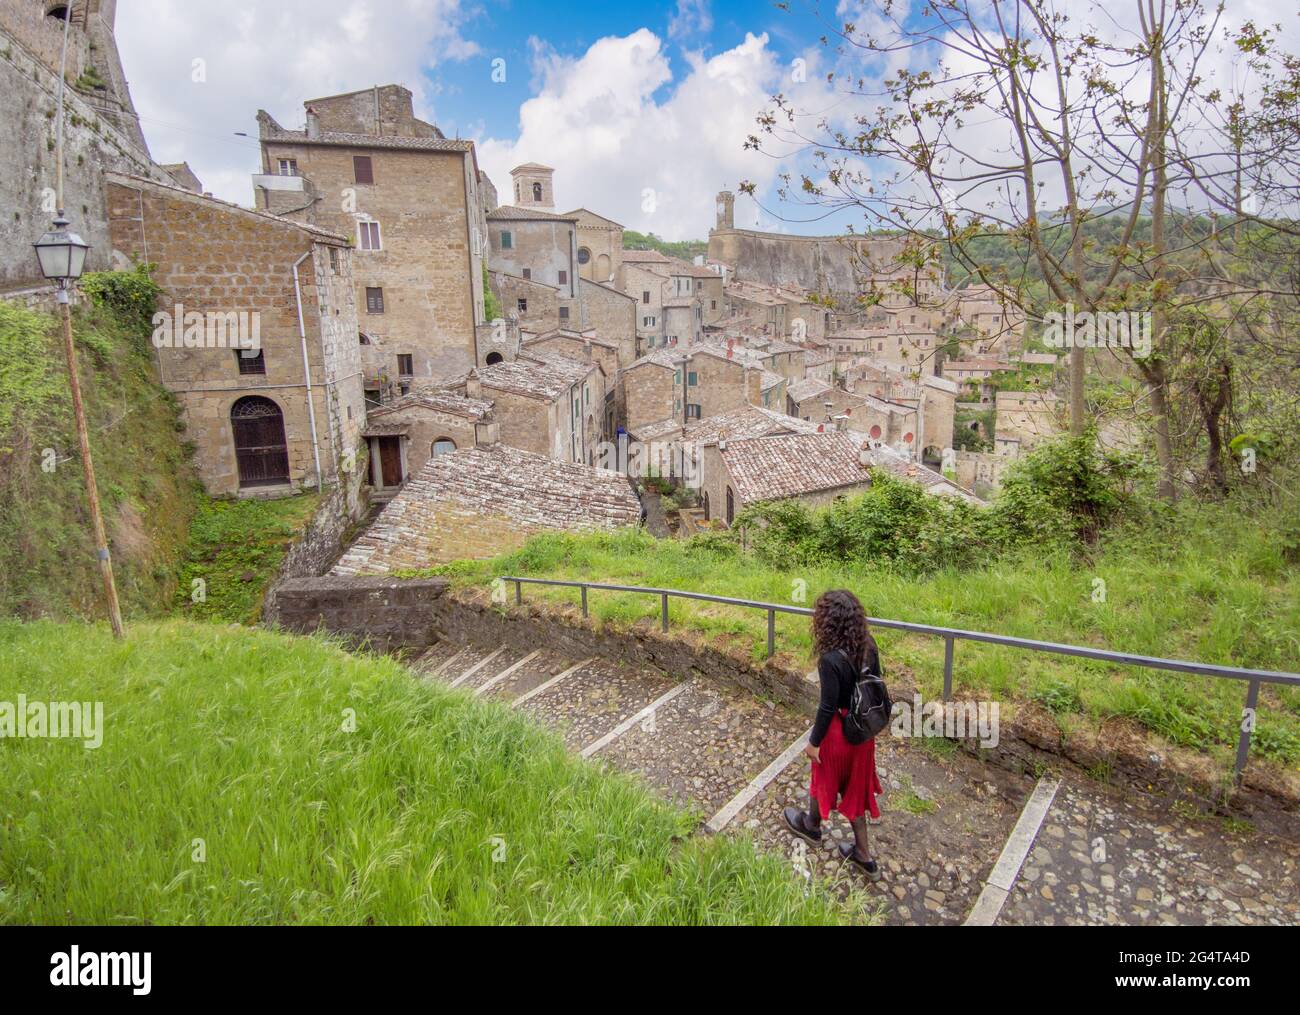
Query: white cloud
<point x="614" y="127"/>
<point x="269" y="56"/>
<point x="692" y="16"/>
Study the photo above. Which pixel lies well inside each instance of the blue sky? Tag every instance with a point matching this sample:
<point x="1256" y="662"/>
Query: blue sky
<point x="638" y="106"/>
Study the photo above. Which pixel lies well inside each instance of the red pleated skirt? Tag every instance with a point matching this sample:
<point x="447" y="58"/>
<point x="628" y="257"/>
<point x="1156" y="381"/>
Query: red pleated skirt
<point x="845" y="779"/>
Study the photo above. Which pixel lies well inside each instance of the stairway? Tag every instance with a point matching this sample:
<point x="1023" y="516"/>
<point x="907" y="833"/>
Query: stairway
<point x="950" y="823"/>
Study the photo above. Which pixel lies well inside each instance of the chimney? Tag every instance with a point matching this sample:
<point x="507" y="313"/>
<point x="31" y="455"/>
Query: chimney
<point x="473" y="386"/>
<point x="864" y="455"/>
<point x="313" y="124"/>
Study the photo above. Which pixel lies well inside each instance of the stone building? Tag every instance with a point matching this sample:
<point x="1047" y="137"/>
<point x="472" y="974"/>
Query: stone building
<point x="653" y="389"/>
<point x="817" y="401"/>
<point x="534" y="306"/>
<point x="1025" y="419"/>
<point x="414" y="205"/>
<point x="544" y="403"/>
<point x="101" y="130"/>
<point x="600" y="248"/>
<point x="536" y="244"/>
<point x="611" y="315"/>
<point x="481" y="502"/>
<point x="270" y="393"/>
<point x="407" y="432"/>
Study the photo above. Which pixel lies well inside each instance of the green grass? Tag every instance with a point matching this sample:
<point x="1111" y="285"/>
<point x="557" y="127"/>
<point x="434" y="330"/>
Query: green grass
<point x="438" y="808"/>
<point x="1208" y="586"/>
<point x="48" y="565"/>
<point x="235" y="548"/>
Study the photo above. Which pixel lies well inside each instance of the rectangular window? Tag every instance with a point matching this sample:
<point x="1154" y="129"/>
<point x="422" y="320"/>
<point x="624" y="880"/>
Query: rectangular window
<point x="523" y="306"/>
<point x="334" y="259"/>
<point x="564" y="278"/>
<point x="288" y="167"/>
<point x="645" y="296"/>
<point x="369" y="236"/>
<point x="363" y="169"/>
<point x="692" y="411"/>
<point x="528" y="273"/>
<point x="251" y="364"/>
<point x="693" y="378"/>
<point x="506" y="241"/>
<point x="564" y="313"/>
<point x="405" y="364"/>
<point x="374" y="300"/>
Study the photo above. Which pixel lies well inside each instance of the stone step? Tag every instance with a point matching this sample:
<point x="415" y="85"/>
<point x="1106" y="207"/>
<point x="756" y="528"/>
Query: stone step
<point x="594" y="700"/>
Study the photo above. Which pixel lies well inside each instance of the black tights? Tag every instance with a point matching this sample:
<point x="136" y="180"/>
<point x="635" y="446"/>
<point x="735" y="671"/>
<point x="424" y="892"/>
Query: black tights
<point x="862" y="845"/>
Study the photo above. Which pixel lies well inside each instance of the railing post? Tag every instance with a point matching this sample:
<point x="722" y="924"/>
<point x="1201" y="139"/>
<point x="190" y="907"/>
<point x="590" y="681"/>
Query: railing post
<point x="1247" y="725"/>
<point x="584" y="601"/>
<point x="947" y="668"/>
<point x="663" y="612"/>
<point x="771" y="633"/>
<point x="519" y="593"/>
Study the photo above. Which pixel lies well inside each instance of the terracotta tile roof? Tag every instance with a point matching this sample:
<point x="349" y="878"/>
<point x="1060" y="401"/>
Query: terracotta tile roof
<point x="809" y="387"/>
<point x="660" y="357"/>
<point x="439" y="400"/>
<point x="770" y="468"/>
<point x="744" y="423"/>
<point x="547" y="378"/>
<point x="533" y="491"/>
<point x="509" y="212"/>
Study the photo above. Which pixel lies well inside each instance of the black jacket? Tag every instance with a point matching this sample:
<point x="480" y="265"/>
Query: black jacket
<point x="838" y="678"/>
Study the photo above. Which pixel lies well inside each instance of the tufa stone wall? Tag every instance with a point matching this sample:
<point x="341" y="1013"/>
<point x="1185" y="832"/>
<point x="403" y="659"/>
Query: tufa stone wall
<point x="383" y="614"/>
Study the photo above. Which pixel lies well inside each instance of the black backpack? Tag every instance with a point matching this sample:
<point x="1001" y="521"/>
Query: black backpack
<point x="869" y="706"/>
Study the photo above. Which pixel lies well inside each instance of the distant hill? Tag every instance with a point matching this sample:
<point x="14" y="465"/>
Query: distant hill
<point x="685" y="249"/>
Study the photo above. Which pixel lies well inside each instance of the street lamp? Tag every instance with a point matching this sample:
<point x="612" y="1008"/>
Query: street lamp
<point x="62" y="254"/>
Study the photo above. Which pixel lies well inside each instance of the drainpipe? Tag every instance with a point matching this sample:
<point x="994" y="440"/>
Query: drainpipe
<point x="306" y="368"/>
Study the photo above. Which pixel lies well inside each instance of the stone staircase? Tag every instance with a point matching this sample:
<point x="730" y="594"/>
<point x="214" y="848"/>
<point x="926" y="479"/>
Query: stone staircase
<point x="959" y="841"/>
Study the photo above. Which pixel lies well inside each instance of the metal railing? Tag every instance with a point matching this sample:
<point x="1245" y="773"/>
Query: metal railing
<point x="951" y="636"/>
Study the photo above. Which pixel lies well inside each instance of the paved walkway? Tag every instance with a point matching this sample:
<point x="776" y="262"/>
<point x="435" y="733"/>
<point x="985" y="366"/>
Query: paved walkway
<point x="1074" y="853"/>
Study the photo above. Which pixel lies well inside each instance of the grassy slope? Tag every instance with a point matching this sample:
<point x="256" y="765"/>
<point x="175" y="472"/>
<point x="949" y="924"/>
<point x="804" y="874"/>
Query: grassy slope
<point x="1212" y="589"/>
<point x="235" y="548"/>
<point x="47" y="563"/>
<point x="438" y="808"/>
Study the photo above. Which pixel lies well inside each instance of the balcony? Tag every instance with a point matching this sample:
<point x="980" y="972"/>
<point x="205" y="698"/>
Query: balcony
<point x="273" y="181"/>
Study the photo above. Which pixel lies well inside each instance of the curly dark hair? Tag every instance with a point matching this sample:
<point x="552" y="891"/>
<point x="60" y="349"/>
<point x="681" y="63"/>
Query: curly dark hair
<point x="839" y="622"/>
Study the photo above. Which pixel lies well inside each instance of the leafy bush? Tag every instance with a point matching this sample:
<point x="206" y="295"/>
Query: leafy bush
<point x="131" y="295"/>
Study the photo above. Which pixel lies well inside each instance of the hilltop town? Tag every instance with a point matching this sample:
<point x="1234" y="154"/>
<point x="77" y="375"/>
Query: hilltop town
<point x="409" y="309"/>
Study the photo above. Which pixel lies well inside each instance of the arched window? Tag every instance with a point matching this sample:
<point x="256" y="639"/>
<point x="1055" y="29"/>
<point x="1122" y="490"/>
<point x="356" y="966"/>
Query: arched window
<point x="59" y="11"/>
<point x="731" y="506"/>
<point x="443" y="446"/>
<point x="261" y="450"/>
<point x="494" y="358"/>
<point x="707" y="515"/>
<point x="537" y="191"/>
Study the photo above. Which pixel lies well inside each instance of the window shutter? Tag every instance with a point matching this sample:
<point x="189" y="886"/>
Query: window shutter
<point x="363" y="169"/>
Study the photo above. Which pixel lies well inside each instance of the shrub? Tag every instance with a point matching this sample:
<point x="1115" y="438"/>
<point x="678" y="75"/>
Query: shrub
<point x="131" y="295"/>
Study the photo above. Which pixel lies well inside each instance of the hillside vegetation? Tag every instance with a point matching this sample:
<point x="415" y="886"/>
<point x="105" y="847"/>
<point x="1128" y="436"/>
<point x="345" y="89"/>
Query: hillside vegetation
<point x="1069" y="553"/>
<point x="249" y="778"/>
<point x="148" y="491"/>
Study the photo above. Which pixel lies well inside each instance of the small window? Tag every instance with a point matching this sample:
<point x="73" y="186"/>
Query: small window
<point x="537" y="191"/>
<point x="288" y="167"/>
<point x="363" y="170"/>
<point x="443" y="446"/>
<point x="564" y="313"/>
<point x="693" y="378"/>
<point x="369" y="236"/>
<point x="405" y="364"/>
<point x="334" y="259"/>
<point x="250" y="362"/>
<point x="523" y="306"/>
<point x="528" y="274"/>
<point x="692" y="411"/>
<point x="645" y="296"/>
<point x="374" y="300"/>
<point x="507" y="241"/>
<point x="564" y="278"/>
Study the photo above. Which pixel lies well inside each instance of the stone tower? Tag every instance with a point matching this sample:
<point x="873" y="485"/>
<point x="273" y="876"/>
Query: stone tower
<point x="726" y="210"/>
<point x="533" y="188"/>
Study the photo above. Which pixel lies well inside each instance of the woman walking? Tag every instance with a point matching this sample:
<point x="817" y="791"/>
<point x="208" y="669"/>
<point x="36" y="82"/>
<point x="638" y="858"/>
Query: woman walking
<point x="843" y="774"/>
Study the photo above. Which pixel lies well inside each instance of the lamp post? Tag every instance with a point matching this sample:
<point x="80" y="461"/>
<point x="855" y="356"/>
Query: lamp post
<point x="62" y="254"/>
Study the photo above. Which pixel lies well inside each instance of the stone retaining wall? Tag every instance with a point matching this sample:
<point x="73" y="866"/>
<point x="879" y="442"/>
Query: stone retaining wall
<point x="382" y="614"/>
